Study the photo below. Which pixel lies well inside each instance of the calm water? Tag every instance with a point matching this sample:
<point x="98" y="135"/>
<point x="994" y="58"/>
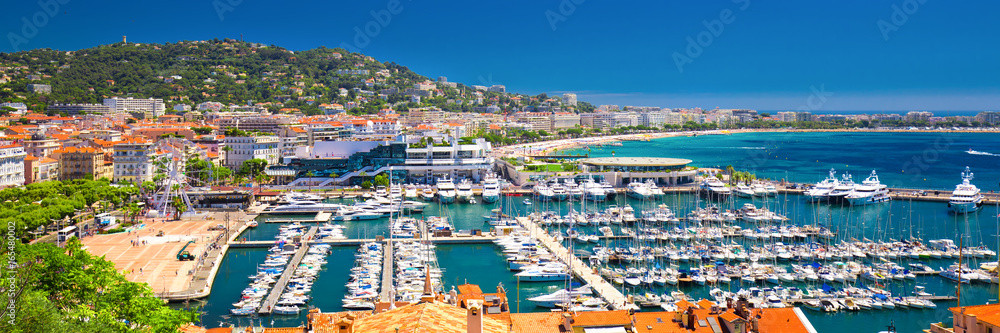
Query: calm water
<point x="484" y="265"/>
<point x="906" y="160"/>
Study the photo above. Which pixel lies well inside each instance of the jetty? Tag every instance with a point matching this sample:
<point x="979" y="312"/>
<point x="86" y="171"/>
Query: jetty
<point x="320" y="217"/>
<point x="615" y="299"/>
<point x="279" y="287"/>
<point x="357" y="242"/>
<point x="387" y="272"/>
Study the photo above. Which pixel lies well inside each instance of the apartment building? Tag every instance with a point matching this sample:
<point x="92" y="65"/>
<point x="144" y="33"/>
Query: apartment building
<point x="76" y="162"/>
<point x="133" y="161"/>
<point x="12" y="165"/>
<point x="243" y="148"/>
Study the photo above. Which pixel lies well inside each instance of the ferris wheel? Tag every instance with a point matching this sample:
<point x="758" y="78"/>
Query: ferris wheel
<point x="176" y="185"/>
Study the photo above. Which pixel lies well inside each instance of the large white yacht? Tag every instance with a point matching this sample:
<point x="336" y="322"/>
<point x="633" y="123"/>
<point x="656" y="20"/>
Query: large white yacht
<point x="639" y="190"/>
<point x="593" y="191"/>
<point x="411" y="192"/>
<point x="715" y="188"/>
<point x="558" y="191"/>
<point x="305" y="207"/>
<point x="743" y="190"/>
<point x="870" y="191"/>
<point x="840" y="192"/>
<point x="966" y="197"/>
<point x="821" y="191"/>
<point x="543" y="192"/>
<point x="491" y="189"/>
<point x="446" y="190"/>
<point x="463" y="193"/>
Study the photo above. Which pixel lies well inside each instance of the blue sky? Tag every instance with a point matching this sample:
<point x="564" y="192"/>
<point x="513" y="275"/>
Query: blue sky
<point x="768" y="55"/>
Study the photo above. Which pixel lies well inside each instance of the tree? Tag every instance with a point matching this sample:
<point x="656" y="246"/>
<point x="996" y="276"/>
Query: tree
<point x="252" y="167"/>
<point x="310" y="174"/>
<point x="70" y="290"/>
<point x="366" y="184"/>
<point x="202" y="130"/>
<point x="381" y="180"/>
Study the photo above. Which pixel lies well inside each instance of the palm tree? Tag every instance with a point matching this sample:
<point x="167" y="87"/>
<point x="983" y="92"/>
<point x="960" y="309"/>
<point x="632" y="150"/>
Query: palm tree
<point x="310" y="174"/>
<point x="730" y="170"/>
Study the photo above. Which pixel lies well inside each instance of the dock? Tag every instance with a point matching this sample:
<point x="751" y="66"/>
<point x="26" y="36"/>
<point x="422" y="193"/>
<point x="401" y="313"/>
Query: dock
<point x="358" y="242"/>
<point x="279" y="287"/>
<point x="615" y="299"/>
<point x="387" y="272"/>
<point x="320" y="217"/>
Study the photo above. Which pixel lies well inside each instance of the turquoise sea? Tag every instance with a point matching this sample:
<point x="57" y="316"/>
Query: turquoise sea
<point x="902" y="160"/>
<point x="483" y="264"/>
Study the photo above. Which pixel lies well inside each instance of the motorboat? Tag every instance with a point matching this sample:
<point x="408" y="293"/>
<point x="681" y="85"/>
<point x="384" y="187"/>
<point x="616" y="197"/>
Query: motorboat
<point x="560" y="296"/>
<point x="714" y="188"/>
<point x="491" y="189"/>
<point x="463" y="192"/>
<point x="870" y="191"/>
<point x="821" y="191"/>
<point x="966" y="197"/>
<point x="410" y="192"/>
<point x="543" y="192"/>
<point x="296" y="207"/>
<point x="639" y="190"/>
<point x="744" y="191"/>
<point x="844" y="188"/>
<point x="446" y="190"/>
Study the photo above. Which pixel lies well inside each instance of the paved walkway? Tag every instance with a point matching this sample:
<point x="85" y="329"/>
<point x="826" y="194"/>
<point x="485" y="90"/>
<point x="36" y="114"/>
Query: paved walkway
<point x="581" y="270"/>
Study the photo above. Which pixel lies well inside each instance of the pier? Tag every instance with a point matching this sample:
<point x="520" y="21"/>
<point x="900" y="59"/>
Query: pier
<point x="358" y="242"/>
<point x="279" y="287"/>
<point x="601" y="287"/>
<point x="320" y="217"/>
<point x="387" y="272"/>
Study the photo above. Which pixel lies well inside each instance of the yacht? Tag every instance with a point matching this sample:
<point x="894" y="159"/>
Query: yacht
<point x="870" y="191"/>
<point x="966" y="197"/>
<point x="395" y="191"/>
<point x="714" y="188"/>
<point x="560" y="296"/>
<point x="742" y="190"/>
<point x="445" y="190"/>
<point x="574" y="190"/>
<point x="289" y="197"/>
<point x="296" y="207"/>
<point x="842" y="189"/>
<point x="543" y="192"/>
<point x="427" y="194"/>
<point x="380" y="191"/>
<point x="491" y="189"/>
<point x="639" y="190"/>
<point x="593" y="191"/>
<point x="821" y="191"/>
<point x="464" y="191"/>
<point x="654" y="189"/>
<point x="411" y="192"/>
<point x="542" y="274"/>
<point x="559" y="192"/>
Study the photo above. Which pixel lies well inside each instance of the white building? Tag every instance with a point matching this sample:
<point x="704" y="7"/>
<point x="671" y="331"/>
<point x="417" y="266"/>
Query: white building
<point x="12" y="165"/>
<point x="243" y="148"/>
<point x="133" y="161"/>
<point x="652" y="118"/>
<point x="154" y="106"/>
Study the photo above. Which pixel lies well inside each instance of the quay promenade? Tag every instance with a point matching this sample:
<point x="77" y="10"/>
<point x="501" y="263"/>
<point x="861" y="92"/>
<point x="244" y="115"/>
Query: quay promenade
<point x="615" y="299"/>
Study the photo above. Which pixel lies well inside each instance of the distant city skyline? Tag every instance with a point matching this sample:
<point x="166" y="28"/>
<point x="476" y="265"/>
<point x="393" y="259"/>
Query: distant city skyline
<point x="879" y="55"/>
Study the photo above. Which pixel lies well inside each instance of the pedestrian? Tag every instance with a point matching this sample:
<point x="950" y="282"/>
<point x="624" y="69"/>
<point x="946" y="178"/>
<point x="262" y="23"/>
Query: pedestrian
<point x="140" y="270"/>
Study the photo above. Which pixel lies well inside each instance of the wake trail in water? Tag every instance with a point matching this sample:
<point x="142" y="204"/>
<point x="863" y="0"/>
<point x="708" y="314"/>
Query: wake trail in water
<point x="982" y="153"/>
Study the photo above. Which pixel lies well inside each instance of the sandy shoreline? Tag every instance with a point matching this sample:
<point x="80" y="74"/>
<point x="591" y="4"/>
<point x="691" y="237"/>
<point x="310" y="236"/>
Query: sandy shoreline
<point x="546" y="147"/>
